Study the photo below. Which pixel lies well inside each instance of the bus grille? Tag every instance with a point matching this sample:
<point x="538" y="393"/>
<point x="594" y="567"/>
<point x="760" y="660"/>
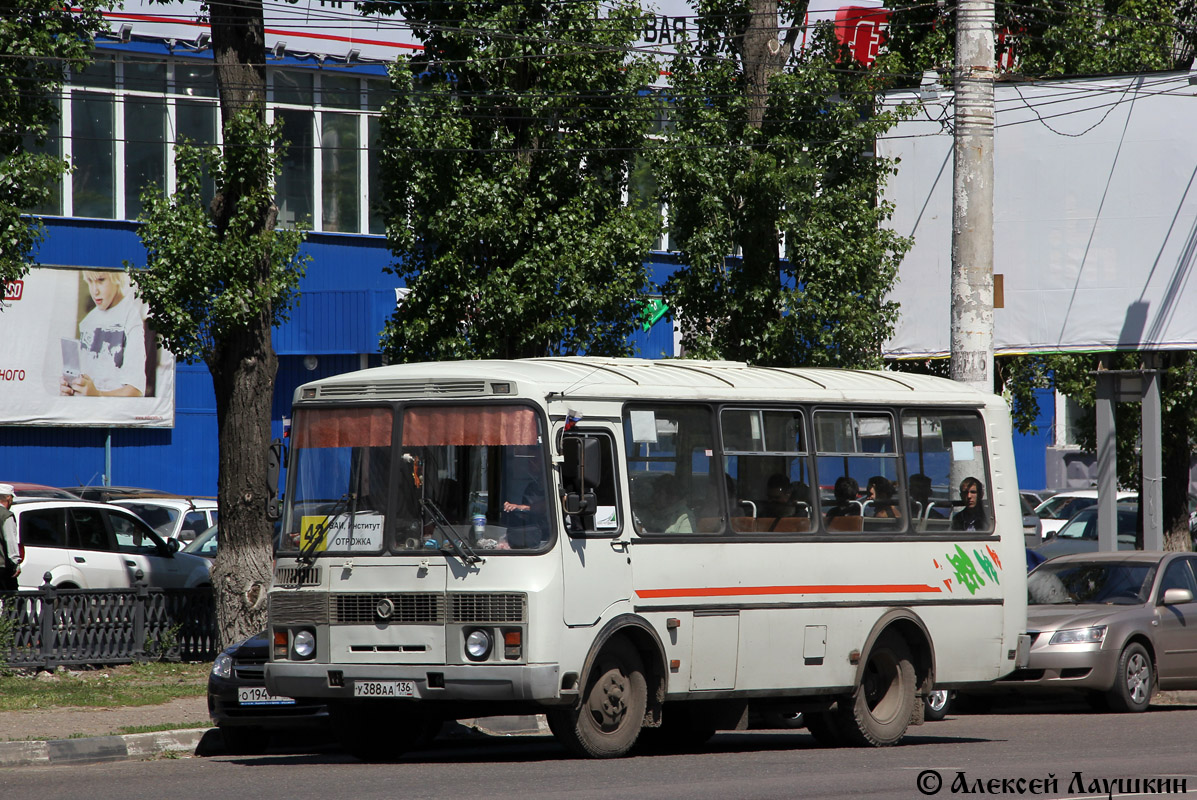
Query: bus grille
<point x="494" y="608"/>
<point x="410" y="609"/>
<point x="297" y="576"/>
<point x="287" y="608"/>
<point x="390" y="389"/>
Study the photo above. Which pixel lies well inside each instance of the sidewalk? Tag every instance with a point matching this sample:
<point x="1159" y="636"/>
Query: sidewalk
<point x="52" y="737"/>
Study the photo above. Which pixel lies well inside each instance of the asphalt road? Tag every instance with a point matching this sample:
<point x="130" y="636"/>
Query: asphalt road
<point x="982" y="750"/>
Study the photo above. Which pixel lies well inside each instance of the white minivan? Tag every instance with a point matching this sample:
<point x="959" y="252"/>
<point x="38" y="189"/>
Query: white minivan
<point x="85" y="545"/>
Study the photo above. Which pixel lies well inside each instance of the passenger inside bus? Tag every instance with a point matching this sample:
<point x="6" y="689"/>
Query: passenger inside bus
<point x="673" y="515"/>
<point x="779" y="499"/>
<point x="881" y="495"/>
<point x="845" y="515"/>
<point x="972" y="516"/>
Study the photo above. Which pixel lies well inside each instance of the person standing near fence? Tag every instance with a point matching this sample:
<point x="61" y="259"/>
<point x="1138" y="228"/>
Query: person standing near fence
<point x="10" y="548"/>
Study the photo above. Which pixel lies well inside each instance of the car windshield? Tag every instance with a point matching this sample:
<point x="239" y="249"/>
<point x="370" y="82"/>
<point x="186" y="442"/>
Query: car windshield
<point x="160" y="518"/>
<point x="470" y="478"/>
<point x="1084" y="524"/>
<point x="204" y="544"/>
<point x="1063" y="506"/>
<point x="1110" y="582"/>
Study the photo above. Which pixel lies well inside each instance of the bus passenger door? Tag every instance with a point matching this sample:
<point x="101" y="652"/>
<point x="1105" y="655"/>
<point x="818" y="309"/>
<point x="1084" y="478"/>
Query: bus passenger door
<point x="596" y="560"/>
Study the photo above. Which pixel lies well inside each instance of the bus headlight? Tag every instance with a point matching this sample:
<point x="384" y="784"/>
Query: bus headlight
<point x="477" y="644"/>
<point x="303" y="644"/>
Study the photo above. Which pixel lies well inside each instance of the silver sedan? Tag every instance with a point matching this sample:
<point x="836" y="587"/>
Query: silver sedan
<point x="1116" y="625"/>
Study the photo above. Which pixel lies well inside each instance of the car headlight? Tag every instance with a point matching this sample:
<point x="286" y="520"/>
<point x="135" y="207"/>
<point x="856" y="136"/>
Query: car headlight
<point x="477" y="644"/>
<point x="303" y="644"/>
<point x="223" y="667"/>
<point x="1094" y="635"/>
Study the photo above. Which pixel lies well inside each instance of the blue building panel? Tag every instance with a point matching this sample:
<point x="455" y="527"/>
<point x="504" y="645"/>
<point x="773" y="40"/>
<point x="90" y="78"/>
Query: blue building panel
<point x="1030" y="448"/>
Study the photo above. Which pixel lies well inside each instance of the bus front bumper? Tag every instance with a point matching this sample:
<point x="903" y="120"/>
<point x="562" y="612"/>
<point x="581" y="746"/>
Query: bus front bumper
<point x="433" y="683"/>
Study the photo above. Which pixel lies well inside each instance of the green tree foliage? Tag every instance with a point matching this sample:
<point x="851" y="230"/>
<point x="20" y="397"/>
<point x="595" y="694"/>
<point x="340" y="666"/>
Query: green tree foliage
<point x="207" y="283"/>
<point x="753" y="154"/>
<point x="506" y="154"/>
<point x="1051" y="38"/>
<point x="218" y="278"/>
<point x="39" y="39"/>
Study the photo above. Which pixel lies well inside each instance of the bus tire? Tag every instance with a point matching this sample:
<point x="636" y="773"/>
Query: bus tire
<point x="608" y="721"/>
<point x="879" y="711"/>
<point x="379" y="732"/>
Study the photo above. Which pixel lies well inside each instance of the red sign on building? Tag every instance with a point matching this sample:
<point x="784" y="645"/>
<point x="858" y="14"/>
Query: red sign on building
<point x="862" y="30"/>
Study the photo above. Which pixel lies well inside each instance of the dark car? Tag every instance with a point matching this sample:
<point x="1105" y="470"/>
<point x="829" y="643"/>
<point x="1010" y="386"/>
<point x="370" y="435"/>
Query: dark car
<point x="248" y="716"/>
<point x="1079" y="534"/>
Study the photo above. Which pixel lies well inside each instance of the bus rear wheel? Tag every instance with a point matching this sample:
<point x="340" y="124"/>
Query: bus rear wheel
<point x="879" y="711"/>
<point x="608" y="721"/>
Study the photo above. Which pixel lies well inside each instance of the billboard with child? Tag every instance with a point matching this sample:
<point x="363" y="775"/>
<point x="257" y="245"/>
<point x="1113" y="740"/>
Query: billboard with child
<point x="80" y="350"/>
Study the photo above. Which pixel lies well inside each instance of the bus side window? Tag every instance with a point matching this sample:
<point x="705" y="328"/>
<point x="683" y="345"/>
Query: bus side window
<point x="588" y="479"/>
<point x="942" y="448"/>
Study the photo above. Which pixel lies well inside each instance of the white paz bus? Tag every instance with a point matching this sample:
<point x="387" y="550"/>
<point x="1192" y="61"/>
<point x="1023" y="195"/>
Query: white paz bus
<point x="649" y="550"/>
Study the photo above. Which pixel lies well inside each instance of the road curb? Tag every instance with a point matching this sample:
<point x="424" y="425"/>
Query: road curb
<point x="97" y="749"/>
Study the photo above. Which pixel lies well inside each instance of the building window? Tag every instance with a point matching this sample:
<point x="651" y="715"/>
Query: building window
<point x="339" y="180"/>
<point x="93" y="181"/>
<point x="295" y="187"/>
<point x="374" y="176"/>
<point x="145" y="150"/>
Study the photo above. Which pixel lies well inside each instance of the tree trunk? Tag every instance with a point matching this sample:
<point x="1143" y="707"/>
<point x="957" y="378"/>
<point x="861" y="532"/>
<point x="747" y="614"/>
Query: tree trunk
<point x="243" y="363"/>
<point x="243" y="375"/>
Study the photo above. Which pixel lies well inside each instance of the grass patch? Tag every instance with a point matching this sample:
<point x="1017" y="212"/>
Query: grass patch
<point x="123" y="685"/>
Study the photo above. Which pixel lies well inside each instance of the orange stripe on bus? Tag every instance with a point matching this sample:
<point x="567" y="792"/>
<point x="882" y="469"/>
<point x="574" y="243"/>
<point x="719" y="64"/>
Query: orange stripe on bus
<point x="731" y="591"/>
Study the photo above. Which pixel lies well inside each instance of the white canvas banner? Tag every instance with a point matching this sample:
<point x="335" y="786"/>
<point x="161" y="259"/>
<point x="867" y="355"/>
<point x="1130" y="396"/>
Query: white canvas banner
<point x="78" y="352"/>
<point x="1095" y="216"/>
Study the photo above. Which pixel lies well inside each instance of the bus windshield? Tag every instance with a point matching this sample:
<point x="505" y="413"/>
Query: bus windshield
<point x="338" y="499"/>
<point x="470" y="478"/>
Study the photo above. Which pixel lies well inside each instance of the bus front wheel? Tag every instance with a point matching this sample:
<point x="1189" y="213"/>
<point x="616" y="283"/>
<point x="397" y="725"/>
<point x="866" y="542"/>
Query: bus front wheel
<point x="608" y="721"/>
<point x="879" y="711"/>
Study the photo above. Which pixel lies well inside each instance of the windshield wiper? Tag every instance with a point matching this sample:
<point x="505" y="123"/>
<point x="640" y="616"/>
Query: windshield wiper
<point x="307" y="553"/>
<point x="460" y="546"/>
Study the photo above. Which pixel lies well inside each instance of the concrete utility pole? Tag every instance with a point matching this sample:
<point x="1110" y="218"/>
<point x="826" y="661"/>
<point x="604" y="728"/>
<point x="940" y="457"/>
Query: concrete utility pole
<point x="972" y="197"/>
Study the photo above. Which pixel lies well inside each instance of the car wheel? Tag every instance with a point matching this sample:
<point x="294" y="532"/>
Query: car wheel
<point x="936" y="705"/>
<point x="1134" y="681"/>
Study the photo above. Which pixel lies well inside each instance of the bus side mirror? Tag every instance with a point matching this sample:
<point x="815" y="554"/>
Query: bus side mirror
<point x="583" y="462"/>
<point x="274" y="461"/>
<point x="576" y="503"/>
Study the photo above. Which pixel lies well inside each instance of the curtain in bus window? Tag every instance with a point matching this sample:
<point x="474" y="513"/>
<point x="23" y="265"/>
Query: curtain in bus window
<point x="342" y="427"/>
<point x="475" y="425"/>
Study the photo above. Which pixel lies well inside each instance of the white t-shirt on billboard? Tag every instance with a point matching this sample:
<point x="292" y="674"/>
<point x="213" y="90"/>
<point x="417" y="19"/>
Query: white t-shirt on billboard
<point x="112" y="346"/>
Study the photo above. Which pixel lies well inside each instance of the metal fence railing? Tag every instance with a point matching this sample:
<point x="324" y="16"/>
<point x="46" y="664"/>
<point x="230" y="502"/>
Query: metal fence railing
<point x="50" y="627"/>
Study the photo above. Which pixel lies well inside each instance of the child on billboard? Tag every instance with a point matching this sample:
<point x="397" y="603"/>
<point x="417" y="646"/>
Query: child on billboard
<point x="112" y="350"/>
